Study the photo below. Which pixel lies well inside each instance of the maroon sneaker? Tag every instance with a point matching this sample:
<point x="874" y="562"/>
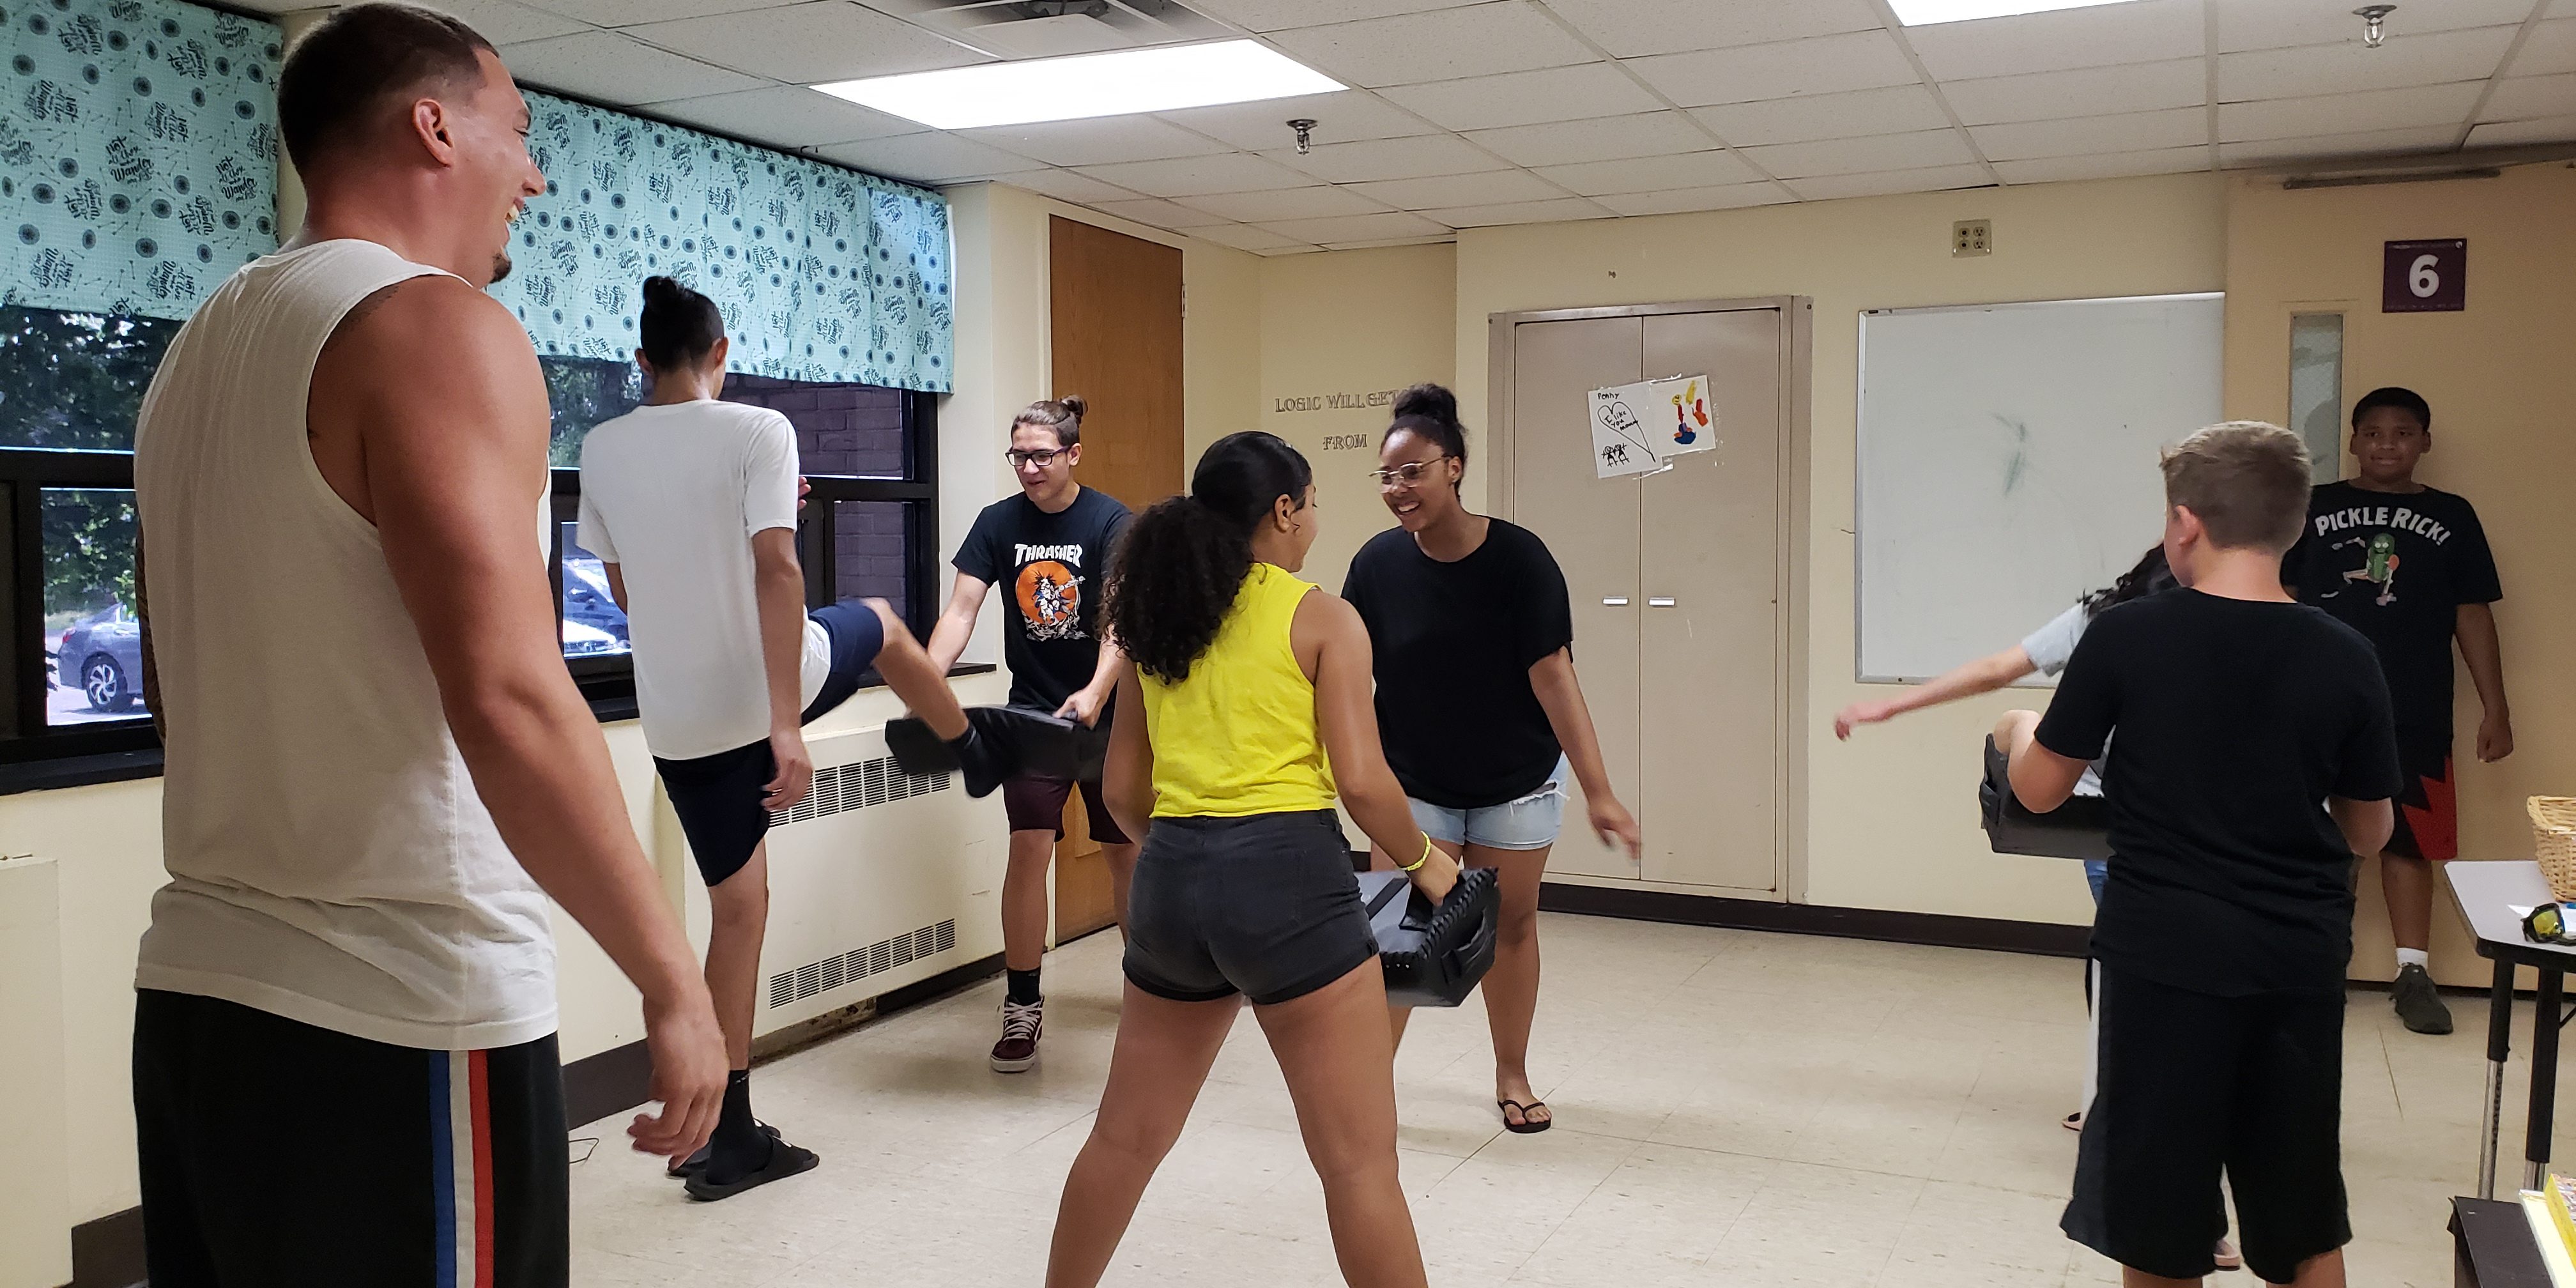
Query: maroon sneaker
<point x="1018" y="1049"/>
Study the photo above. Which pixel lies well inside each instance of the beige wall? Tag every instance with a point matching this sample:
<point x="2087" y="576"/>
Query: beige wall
<point x="1343" y="327"/>
<point x="2501" y="382"/>
<point x="1890" y="820"/>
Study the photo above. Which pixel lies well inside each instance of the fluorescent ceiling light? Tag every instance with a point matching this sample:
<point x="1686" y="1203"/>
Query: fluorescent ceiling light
<point x="1917" y="13"/>
<point x="1161" y="79"/>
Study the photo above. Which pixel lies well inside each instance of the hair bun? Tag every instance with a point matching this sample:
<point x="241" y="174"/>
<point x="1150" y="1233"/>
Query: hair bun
<point x="1077" y="404"/>
<point x="1428" y="401"/>
<point x="662" y="288"/>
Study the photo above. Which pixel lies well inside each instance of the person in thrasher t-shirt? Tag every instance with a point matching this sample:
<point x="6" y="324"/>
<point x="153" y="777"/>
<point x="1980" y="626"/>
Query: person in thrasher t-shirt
<point x="2408" y="566"/>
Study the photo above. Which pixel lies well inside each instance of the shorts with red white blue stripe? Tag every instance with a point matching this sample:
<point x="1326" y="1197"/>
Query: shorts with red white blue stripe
<point x="279" y="1155"/>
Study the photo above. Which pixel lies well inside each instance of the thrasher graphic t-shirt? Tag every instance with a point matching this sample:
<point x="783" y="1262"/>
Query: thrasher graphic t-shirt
<point x="2396" y="566"/>
<point x="1049" y="569"/>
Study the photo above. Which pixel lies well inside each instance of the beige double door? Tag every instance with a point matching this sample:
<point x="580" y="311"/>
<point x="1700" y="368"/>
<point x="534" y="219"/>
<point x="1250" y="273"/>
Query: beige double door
<point x="1678" y="581"/>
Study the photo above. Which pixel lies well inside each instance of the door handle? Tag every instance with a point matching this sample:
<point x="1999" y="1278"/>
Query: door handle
<point x="1659" y="601"/>
<point x="1614" y="601"/>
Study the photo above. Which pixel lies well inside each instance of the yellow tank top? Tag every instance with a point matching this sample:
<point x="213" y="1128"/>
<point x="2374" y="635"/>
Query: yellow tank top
<point x="1238" y="736"/>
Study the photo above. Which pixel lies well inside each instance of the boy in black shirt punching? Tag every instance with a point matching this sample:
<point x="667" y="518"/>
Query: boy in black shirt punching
<point x="2255" y="757"/>
<point x="2408" y="566"/>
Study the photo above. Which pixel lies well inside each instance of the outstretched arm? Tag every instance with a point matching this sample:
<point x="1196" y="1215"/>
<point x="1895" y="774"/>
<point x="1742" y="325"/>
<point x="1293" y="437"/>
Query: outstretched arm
<point x="1985" y="675"/>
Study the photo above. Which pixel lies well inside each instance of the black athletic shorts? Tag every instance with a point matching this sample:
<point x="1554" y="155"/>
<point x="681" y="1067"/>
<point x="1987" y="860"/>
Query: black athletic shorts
<point x="280" y="1155"/>
<point x="1036" y="804"/>
<point x="2192" y="1086"/>
<point x="718" y="798"/>
<point x="1266" y="906"/>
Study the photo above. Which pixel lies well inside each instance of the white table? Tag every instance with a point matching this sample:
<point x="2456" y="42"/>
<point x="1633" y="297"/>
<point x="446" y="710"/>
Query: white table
<point x="2487" y="894"/>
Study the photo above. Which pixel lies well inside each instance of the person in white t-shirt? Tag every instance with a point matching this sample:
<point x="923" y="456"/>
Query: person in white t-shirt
<point x="691" y="503"/>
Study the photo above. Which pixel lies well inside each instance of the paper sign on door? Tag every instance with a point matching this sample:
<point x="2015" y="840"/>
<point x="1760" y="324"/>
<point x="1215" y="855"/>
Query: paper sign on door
<point x="1638" y="428"/>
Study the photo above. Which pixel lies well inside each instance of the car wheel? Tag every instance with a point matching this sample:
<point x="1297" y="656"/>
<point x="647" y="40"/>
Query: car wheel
<point x="104" y="681"/>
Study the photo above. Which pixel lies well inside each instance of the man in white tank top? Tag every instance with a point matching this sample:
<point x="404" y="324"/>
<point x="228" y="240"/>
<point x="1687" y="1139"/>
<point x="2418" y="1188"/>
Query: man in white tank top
<point x="345" y="1064"/>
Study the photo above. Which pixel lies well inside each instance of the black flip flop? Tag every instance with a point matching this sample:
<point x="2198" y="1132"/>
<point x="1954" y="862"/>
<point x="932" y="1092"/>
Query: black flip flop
<point x="1525" y="1127"/>
<point x="697" y="1162"/>
<point x="785" y="1160"/>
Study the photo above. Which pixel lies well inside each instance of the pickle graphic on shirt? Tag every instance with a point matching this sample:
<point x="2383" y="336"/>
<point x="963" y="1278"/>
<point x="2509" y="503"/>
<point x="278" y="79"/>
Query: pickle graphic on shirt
<point x="2378" y="565"/>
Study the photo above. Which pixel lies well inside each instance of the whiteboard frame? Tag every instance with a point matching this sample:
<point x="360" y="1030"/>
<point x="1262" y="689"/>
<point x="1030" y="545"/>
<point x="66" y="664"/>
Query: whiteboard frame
<point x="1860" y="445"/>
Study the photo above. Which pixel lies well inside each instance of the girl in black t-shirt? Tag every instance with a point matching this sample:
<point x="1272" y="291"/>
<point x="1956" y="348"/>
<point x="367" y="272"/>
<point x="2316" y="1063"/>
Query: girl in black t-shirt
<point x="1477" y="703"/>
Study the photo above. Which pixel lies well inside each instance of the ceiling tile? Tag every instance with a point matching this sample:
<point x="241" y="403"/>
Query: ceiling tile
<point x="783" y="116"/>
<point x="2525" y="98"/>
<point x="1198" y="176"/>
<point x="1497" y="188"/>
<point x="2434" y="59"/>
<point x="930" y="158"/>
<point x="1241" y="237"/>
<point x="1893" y="110"/>
<point x="2318" y="147"/>
<point x="498" y="21"/>
<point x="1527" y="98"/>
<point x="1607" y="138"/>
<point x="1320" y="201"/>
<point x="1355" y="228"/>
<point x="1441" y="240"/>
<point x="627" y="13"/>
<point x="1153" y="213"/>
<point x="2290" y="118"/>
<point x="1729" y="197"/>
<point x="616" y="69"/>
<point x="2551" y="48"/>
<point x="1787" y="69"/>
<point x="1652" y="174"/>
<point x="2094" y="91"/>
<point x="2106" y="165"/>
<point x="1389" y="159"/>
<point x="1273" y="15"/>
<point x="2273" y="24"/>
<point x="1636" y="28"/>
<point x="1065" y="185"/>
<point x="1921" y="149"/>
<point x="1562" y="210"/>
<point x="2077" y="136"/>
<point x="1444" y="44"/>
<point x="824" y="40"/>
<point x="1880" y="183"/>
<point x="2555" y="129"/>
<point x="2142" y="31"/>
<point x="1338" y="118"/>
<point x="1100" y="140"/>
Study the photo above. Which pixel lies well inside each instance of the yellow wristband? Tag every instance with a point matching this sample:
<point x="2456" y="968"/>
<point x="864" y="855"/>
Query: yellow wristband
<point x="1416" y="865"/>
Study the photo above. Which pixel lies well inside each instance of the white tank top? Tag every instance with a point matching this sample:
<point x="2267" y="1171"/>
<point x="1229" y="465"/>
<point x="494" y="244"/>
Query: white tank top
<point x="329" y="859"/>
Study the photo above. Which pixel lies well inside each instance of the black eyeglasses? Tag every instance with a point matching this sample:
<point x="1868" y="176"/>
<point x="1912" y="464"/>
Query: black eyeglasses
<point x="1041" y="458"/>
<point x="1410" y="472"/>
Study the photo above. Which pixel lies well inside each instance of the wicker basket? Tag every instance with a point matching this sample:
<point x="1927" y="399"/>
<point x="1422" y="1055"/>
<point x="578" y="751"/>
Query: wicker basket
<point x="2553" y="837"/>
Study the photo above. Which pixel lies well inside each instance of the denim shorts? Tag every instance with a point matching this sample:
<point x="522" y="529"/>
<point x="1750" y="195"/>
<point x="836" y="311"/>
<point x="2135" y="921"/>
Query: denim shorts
<point x="1530" y="823"/>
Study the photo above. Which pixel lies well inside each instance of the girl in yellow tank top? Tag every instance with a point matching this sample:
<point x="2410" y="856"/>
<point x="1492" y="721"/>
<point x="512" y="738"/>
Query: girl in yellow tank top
<point x="1255" y="689"/>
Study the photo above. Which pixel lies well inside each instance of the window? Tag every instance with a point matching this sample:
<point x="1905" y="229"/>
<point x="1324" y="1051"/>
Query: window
<point x="868" y="528"/>
<point x="2316" y="390"/>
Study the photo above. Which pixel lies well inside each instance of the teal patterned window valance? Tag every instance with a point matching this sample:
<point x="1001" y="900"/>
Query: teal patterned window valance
<point x="823" y="274"/>
<point x="138" y="153"/>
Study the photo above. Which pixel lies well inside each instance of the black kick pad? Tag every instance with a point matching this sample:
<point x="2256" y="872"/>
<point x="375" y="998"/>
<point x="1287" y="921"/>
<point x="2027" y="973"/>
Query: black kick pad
<point x="1433" y="956"/>
<point x="1030" y="742"/>
<point x="2078" y="829"/>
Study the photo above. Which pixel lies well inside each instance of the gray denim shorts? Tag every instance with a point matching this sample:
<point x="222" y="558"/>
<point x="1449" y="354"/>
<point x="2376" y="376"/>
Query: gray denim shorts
<point x="1267" y="906"/>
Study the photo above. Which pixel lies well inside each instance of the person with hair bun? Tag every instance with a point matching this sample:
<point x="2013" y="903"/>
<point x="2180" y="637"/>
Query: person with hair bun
<point x="691" y="503"/>
<point x="1483" y="719"/>
<point x="1247" y="714"/>
<point x="1048" y="549"/>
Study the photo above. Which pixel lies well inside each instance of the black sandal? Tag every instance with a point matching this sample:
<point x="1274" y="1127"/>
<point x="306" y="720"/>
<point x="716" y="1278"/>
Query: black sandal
<point x="697" y="1162"/>
<point x="785" y="1160"/>
<point x="1526" y="1126"/>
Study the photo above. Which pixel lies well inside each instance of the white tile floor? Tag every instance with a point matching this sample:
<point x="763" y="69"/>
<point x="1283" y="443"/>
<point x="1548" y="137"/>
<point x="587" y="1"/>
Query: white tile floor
<point x="1734" y="1108"/>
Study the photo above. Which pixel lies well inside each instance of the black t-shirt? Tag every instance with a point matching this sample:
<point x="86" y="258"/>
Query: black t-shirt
<point x="1454" y="644"/>
<point x="1052" y="568"/>
<point x="2236" y="720"/>
<point x="2396" y="566"/>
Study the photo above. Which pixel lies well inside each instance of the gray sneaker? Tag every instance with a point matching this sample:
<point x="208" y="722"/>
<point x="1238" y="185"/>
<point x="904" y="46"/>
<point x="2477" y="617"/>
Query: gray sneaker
<point x="2418" y="1004"/>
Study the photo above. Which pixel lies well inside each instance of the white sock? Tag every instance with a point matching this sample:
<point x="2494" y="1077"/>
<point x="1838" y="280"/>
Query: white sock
<point x="2414" y="957"/>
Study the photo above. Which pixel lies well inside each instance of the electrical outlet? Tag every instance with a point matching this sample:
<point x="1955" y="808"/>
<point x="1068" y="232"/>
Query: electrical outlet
<point x="1972" y="237"/>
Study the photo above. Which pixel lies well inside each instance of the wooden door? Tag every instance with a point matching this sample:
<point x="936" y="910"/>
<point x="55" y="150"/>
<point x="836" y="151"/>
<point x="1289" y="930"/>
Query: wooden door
<point x="1115" y="321"/>
<point x="1710" y="645"/>
<point x="1590" y="525"/>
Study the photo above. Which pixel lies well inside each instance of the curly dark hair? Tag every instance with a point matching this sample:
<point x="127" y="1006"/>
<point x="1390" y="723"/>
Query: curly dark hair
<point x="1182" y="562"/>
<point x="2150" y="575"/>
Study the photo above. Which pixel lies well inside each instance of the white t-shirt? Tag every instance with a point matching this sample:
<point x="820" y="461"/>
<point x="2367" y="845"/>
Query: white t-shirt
<point x="2049" y="648"/>
<point x="672" y="495"/>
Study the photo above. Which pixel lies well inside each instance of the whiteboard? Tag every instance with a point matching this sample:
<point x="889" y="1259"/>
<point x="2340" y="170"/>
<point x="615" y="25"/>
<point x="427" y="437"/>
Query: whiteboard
<point x="2008" y="463"/>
